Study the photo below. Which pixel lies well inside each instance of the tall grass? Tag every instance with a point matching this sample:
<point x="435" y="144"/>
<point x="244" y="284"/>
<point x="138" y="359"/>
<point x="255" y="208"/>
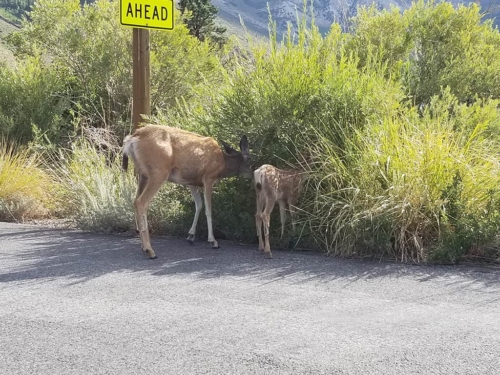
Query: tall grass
<point x="26" y="190"/>
<point x="96" y="194"/>
<point x="412" y="187"/>
<point x="99" y="196"/>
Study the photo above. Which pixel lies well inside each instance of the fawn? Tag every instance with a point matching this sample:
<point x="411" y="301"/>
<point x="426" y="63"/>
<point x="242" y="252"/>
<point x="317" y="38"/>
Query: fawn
<point x="273" y="184"/>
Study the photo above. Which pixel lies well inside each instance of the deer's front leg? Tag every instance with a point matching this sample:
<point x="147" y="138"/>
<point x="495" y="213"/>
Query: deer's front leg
<point x="199" y="205"/>
<point x="208" y="186"/>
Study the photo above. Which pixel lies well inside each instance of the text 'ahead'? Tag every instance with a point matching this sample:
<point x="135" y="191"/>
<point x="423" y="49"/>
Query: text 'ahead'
<point x="149" y="14"/>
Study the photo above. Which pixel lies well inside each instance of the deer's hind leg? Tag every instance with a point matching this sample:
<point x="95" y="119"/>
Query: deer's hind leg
<point x="282" y="216"/>
<point x="141" y="204"/>
<point x="293" y="214"/>
<point x="266" y="218"/>
<point x="141" y="184"/>
<point x="258" y="219"/>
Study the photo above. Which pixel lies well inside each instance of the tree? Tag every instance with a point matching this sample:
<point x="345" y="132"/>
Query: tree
<point x="201" y="22"/>
<point x="88" y="57"/>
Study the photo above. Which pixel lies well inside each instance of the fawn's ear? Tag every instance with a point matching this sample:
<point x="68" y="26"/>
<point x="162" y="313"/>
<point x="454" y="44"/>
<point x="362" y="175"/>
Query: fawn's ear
<point x="228" y="149"/>
<point x="244" y="147"/>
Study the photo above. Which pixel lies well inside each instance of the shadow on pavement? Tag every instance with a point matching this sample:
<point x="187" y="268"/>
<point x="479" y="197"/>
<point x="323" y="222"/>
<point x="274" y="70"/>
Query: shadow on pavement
<point x="32" y="253"/>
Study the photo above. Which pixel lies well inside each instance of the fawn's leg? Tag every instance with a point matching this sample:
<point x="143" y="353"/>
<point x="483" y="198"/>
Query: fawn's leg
<point x="282" y="217"/>
<point x="258" y="220"/>
<point x="293" y="215"/>
<point x="266" y="218"/>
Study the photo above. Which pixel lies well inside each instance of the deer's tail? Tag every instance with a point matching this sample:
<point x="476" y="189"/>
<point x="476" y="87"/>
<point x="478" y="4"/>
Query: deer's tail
<point x="125" y="163"/>
<point x="257" y="178"/>
<point x="126" y="151"/>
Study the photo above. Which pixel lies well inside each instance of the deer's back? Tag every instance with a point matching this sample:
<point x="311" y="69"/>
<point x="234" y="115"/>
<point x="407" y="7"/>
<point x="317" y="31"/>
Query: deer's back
<point x="279" y="183"/>
<point x="189" y="156"/>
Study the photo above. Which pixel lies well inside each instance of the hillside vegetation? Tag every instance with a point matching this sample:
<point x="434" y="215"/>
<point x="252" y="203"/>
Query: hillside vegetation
<point x="399" y="118"/>
<point x="6" y="54"/>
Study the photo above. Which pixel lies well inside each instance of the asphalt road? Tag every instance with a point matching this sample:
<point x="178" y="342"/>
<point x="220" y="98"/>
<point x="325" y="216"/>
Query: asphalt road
<point x="79" y="303"/>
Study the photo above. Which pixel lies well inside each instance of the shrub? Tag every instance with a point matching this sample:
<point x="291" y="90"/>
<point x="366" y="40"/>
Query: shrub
<point x="388" y="178"/>
<point x="91" y="53"/>
<point x="96" y="194"/>
<point x="32" y="96"/>
<point x="26" y="190"/>
<point x="453" y="48"/>
<point x="321" y="89"/>
<point x="428" y="185"/>
<point x="99" y="196"/>
<point x="432" y="45"/>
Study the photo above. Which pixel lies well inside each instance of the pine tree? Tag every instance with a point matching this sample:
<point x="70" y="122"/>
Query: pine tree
<point x="202" y="22"/>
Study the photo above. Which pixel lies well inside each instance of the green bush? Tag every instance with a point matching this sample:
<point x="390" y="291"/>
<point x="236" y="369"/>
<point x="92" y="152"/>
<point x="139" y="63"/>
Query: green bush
<point x="280" y="112"/>
<point x="87" y="48"/>
<point x="294" y="88"/>
<point x="432" y="45"/>
<point x="32" y="96"/>
<point x="455" y="49"/>
<point x="427" y="184"/>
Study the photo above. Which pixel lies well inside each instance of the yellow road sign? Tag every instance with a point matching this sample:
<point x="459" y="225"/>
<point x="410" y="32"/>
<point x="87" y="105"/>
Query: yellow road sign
<point x="147" y="14"/>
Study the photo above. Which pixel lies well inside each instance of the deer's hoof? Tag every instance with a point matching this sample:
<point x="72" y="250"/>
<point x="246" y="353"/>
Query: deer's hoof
<point x="150" y="253"/>
<point x="190" y="239"/>
<point x="268" y="255"/>
<point x="214" y="245"/>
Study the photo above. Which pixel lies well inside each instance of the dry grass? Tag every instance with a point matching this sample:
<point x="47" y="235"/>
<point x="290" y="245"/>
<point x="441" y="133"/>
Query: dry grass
<point x="26" y="190"/>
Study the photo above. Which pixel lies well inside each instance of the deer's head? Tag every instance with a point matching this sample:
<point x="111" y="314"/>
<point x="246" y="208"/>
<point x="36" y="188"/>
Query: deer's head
<point x="237" y="162"/>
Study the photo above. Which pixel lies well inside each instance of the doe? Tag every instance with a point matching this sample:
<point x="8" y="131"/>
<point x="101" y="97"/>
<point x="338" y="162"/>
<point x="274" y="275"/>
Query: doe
<point x="162" y="153"/>
<point x="271" y="185"/>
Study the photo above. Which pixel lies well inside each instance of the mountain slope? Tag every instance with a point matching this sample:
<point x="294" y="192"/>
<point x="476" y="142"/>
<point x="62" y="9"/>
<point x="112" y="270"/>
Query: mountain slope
<point x="6" y="54"/>
<point x="255" y="12"/>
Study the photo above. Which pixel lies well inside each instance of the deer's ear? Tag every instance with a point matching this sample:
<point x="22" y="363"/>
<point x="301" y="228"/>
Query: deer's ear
<point x="228" y="149"/>
<point x="244" y="146"/>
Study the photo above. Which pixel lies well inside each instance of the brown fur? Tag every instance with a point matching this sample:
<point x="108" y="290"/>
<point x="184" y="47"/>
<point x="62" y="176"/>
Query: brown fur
<point x="275" y="185"/>
<point x="162" y="153"/>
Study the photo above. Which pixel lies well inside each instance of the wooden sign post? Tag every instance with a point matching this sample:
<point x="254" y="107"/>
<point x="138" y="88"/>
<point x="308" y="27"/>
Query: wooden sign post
<point x="143" y="15"/>
<point x="141" y="104"/>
